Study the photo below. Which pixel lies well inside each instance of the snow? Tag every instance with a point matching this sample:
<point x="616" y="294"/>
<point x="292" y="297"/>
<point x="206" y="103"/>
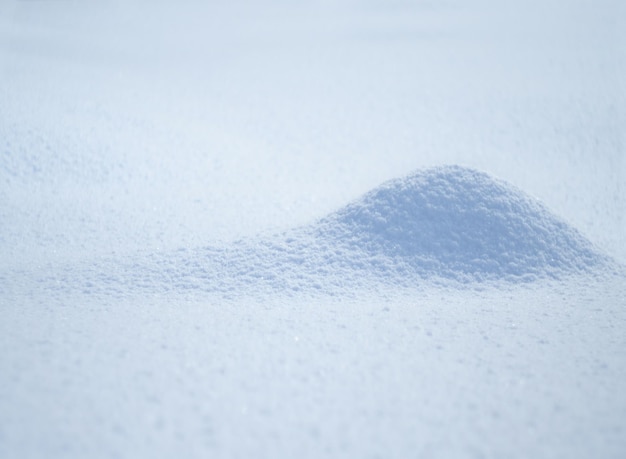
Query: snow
<point x="445" y="224"/>
<point x="356" y="228"/>
<point x="516" y="372"/>
<point x="453" y="220"/>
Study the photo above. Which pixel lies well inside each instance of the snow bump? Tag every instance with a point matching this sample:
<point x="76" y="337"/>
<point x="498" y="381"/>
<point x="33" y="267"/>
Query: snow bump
<point x="459" y="223"/>
<point x="447" y="224"/>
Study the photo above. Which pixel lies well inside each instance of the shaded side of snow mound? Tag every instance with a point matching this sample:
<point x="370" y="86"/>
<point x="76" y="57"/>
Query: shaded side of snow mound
<point x="456" y="222"/>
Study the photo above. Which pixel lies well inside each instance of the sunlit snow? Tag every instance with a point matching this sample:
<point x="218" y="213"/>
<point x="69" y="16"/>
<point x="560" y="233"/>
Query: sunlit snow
<point x="322" y="229"/>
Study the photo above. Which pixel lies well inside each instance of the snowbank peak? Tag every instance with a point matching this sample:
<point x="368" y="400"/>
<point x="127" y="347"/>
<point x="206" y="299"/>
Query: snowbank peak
<point x="453" y="221"/>
<point x="442" y="224"/>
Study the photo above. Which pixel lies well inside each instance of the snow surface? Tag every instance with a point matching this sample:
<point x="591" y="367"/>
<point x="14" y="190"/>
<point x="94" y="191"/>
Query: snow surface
<point x="198" y="258"/>
<point x="443" y="224"/>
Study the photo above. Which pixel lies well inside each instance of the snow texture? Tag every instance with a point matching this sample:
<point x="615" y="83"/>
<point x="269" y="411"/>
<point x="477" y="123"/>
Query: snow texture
<point x="450" y="224"/>
<point x="459" y="223"/>
<point x="197" y="258"/>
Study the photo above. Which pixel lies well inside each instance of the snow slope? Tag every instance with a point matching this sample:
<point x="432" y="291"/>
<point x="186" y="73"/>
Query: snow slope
<point x="198" y="259"/>
<point x="452" y="221"/>
<point x="448" y="223"/>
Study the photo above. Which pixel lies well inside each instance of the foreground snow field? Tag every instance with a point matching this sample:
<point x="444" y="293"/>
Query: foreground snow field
<point x="334" y="229"/>
<point x="533" y="370"/>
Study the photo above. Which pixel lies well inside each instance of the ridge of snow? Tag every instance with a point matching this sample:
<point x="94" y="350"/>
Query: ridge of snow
<point x="447" y="224"/>
<point x="456" y="220"/>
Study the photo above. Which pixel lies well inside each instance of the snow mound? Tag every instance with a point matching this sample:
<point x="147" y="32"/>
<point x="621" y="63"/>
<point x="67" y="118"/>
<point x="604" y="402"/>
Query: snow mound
<point x="459" y="223"/>
<point x="443" y="224"/>
<point x="447" y="224"/>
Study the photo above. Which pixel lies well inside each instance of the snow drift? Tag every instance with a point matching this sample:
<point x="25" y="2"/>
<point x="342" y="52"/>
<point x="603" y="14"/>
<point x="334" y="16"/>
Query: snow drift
<point x="448" y="224"/>
<point x="452" y="220"/>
